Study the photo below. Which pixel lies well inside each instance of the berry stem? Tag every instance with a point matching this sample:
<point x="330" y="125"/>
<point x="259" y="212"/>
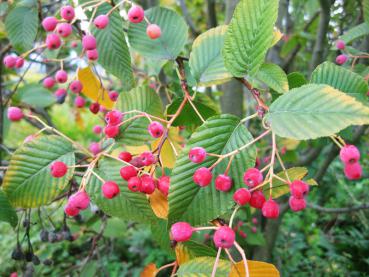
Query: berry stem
<point x="98" y="176"/>
<point x="230" y="256"/>
<point x="243" y="255"/>
<point x="205" y="228"/>
<point x="336" y="142"/>
<point x="115" y="158"/>
<point x="249" y="117"/>
<point x="283" y="167"/>
<point x="233" y="215"/>
<point x="216" y="262"/>
<point x="115" y="7"/>
<point x="272" y="161"/>
<point x="165" y="266"/>
<point x="229" y="165"/>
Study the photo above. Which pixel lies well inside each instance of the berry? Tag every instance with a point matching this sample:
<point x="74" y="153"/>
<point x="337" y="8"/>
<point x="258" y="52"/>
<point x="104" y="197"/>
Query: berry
<point x="14" y="274"/>
<point x="353" y="171"/>
<point x="95" y="148"/>
<point x="19" y="62"/>
<point x="197" y="154"/>
<point x="254" y="229"/>
<point x="125" y="156"/>
<point x="60" y="99"/>
<point x="10" y="61"/>
<point x="136" y="14"/>
<point x="97" y="129"/>
<point x="156" y="130"/>
<point x="64" y="29"/>
<point x="224" y="237"/>
<point x="223" y="182"/>
<point x="111" y="131"/>
<point x="101" y="21"/>
<point x="76" y="86"/>
<point x="79" y="200"/>
<point x="71" y="211"/>
<point x="270" y="209"/>
<point x="61" y="76"/>
<point x="252" y="177"/>
<point x="113" y="95"/>
<point x="92" y="55"/>
<point x="49" y="23"/>
<point x="147" y="158"/>
<point x="134" y="184"/>
<point x="341" y="59"/>
<point x="297" y="204"/>
<point x="257" y="199"/>
<point x="89" y="42"/>
<point x="128" y="172"/>
<point x="349" y="154"/>
<point x="153" y="31"/>
<point x="79" y="101"/>
<point x="61" y="92"/>
<point x="48" y="82"/>
<point x="242" y="234"/>
<point x="74" y="44"/>
<point x="340" y="44"/>
<point x="58" y="169"/>
<point x="53" y="41"/>
<point x="181" y="231"/>
<point x="67" y="12"/>
<point x="202" y="176"/>
<point x="164" y="184"/>
<point x="15" y="114"/>
<point x="254" y="220"/>
<point x="95" y="107"/>
<point x="242" y="196"/>
<point x="114" y="117"/>
<point x="147" y="184"/>
<point x="299" y="189"/>
<point x="110" y="189"/>
<point x="137" y="162"/>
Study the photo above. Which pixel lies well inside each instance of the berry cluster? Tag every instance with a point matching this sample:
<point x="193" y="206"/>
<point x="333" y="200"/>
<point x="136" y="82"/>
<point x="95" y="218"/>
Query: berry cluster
<point x="350" y="157"/>
<point x="342" y="58"/>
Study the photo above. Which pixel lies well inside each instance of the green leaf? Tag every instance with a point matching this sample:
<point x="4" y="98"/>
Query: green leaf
<point x="174" y="34"/>
<point x="249" y="36"/>
<point x="114" y="55"/>
<point x="142" y="99"/>
<point x="21" y="25"/>
<point x="356" y="32"/>
<point x="28" y="182"/>
<point x="314" y="111"/>
<point x="203" y="266"/>
<point x="7" y="212"/>
<point x="295" y="80"/>
<point x="197" y="249"/>
<point x="206" y="60"/>
<point x="198" y="205"/>
<point x="160" y="234"/>
<point x="188" y="116"/>
<point x="366" y="10"/>
<point x="127" y="205"/>
<point x="274" y="77"/>
<point x="340" y="78"/>
<point x="36" y="96"/>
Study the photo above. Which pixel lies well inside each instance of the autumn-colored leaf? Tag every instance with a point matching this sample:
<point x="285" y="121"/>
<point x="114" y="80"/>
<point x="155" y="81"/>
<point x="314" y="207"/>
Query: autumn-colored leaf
<point x="182" y="254"/>
<point x="149" y="271"/>
<point x="256" y="269"/>
<point x="277" y="35"/>
<point x="159" y="204"/>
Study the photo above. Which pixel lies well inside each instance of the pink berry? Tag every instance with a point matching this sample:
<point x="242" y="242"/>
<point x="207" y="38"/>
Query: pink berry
<point x="125" y="156"/>
<point x="254" y="220"/>
<point x="202" y="177"/>
<point x="136" y="14"/>
<point x="197" y="154"/>
<point x="113" y="117"/>
<point x="53" y="41"/>
<point x="242" y="196"/>
<point x="223" y="182"/>
<point x="270" y="209"/>
<point x="156" y="130"/>
<point x="48" y="82"/>
<point x="79" y="200"/>
<point x="147" y="158"/>
<point x="111" y="131"/>
<point x="242" y="234"/>
<point x="254" y="229"/>
<point x="89" y="42"/>
<point x="49" y="23"/>
<point x="153" y="31"/>
<point x="67" y="12"/>
<point x="128" y="172"/>
<point x="15" y="114"/>
<point x="97" y="129"/>
<point x="299" y="189"/>
<point x="224" y="237"/>
<point x="134" y="184"/>
<point x="341" y="59"/>
<point x="14" y="274"/>
<point x="181" y="231"/>
<point x="252" y="177"/>
<point x="58" y="169"/>
<point x="60" y="92"/>
<point x="113" y="95"/>
<point x="92" y="55"/>
<point x="101" y="21"/>
<point x="147" y="184"/>
<point x="74" y="44"/>
<point x="110" y="189"/>
<point x="164" y="184"/>
<point x="94" y="148"/>
<point x="10" y="61"/>
<point x="257" y="199"/>
<point x="19" y="62"/>
<point x="353" y="171"/>
<point x="340" y="44"/>
<point x="64" y="29"/>
<point x="79" y="101"/>
<point x="297" y="204"/>
<point x="76" y="86"/>
<point x="102" y="109"/>
<point x="95" y="107"/>
<point x="61" y="76"/>
<point x="349" y="154"/>
<point x="71" y="211"/>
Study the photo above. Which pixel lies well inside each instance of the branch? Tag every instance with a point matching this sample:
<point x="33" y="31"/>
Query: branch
<point x="212" y="15"/>
<point x="255" y="93"/>
<point x="339" y="210"/>
<point x="188" y="18"/>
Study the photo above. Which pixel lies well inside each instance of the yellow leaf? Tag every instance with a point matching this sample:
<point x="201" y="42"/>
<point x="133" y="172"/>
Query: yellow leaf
<point x="182" y="254"/>
<point x="79" y="120"/>
<point x="137" y="150"/>
<point x="92" y="88"/>
<point x="277" y="35"/>
<point x="159" y="204"/>
<point x="256" y="269"/>
<point x="149" y="271"/>
<point x="290" y="144"/>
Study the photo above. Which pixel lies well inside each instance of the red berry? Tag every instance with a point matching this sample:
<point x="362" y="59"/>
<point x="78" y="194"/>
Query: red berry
<point x="181" y="231"/>
<point x="224" y="237"/>
<point x="156" y="130"/>
<point x="202" y="177"/>
<point x="147" y="184"/>
<point x="113" y="95"/>
<point x="164" y="184"/>
<point x="197" y="154"/>
<point x="349" y="154"/>
<point x="97" y="129"/>
<point x="113" y="117"/>
<point x="95" y="107"/>
<point x="64" y="29"/>
<point x="254" y="220"/>
<point x="95" y="148"/>
<point x="101" y="21"/>
<point x="340" y="44"/>
<point x="257" y="199"/>
<point x="252" y="177"/>
<point x="128" y="172"/>
<point x="153" y="31"/>
<point x="270" y="209"/>
<point x="15" y="114"/>
<point x="19" y="62"/>
<point x="48" y="82"/>
<point x="254" y="229"/>
<point x="341" y="59"/>
<point x="58" y="169"/>
<point x="92" y="55"/>
<point x="137" y="162"/>
<point x="61" y="76"/>
<point x="147" y="158"/>
<point x="79" y="101"/>
<point x="134" y="184"/>
<point x="125" y="156"/>
<point x="60" y="92"/>
<point x="71" y="211"/>
<point x="79" y="200"/>
<point x="10" y="61"/>
<point x="49" y="23"/>
<point x="223" y="182"/>
<point x="297" y="204"/>
<point x="242" y="234"/>
<point x="299" y="189"/>
<point x="111" y="131"/>
<point x="76" y="86"/>
<point x="353" y="171"/>
<point x="74" y="44"/>
<point x="67" y="12"/>
<point x="53" y="41"/>
<point x="242" y="196"/>
<point x="89" y="42"/>
<point x="136" y="14"/>
<point x="14" y="274"/>
<point x="110" y="189"/>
